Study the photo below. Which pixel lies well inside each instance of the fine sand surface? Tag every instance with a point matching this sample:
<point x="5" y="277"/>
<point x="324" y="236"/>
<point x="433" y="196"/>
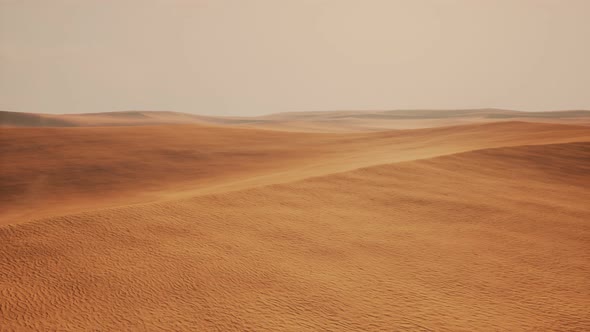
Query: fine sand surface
<point x="202" y="227"/>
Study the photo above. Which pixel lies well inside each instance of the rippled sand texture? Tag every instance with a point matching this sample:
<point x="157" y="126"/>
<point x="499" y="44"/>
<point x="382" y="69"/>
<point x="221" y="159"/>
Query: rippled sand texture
<point x="472" y="228"/>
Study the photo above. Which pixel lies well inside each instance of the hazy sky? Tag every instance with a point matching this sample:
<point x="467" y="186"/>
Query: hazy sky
<point x="248" y="57"/>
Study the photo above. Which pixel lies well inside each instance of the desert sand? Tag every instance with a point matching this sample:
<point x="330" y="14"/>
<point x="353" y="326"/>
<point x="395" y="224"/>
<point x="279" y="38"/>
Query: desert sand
<point x="220" y="226"/>
<point x="324" y="121"/>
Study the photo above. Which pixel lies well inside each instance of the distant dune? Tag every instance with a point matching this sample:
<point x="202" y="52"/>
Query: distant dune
<point x="16" y="119"/>
<point x="411" y="119"/>
<point x="125" y="118"/>
<point x="328" y="121"/>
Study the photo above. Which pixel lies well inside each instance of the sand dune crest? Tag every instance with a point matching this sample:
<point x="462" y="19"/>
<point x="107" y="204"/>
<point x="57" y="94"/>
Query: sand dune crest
<point x="485" y="240"/>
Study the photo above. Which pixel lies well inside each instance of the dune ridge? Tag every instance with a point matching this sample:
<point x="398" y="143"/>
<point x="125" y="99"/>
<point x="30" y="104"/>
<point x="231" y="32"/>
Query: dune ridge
<point x="322" y="121"/>
<point x="108" y="166"/>
<point x="487" y="240"/>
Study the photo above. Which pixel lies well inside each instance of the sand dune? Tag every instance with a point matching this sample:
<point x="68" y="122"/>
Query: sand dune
<point x="486" y="240"/>
<point x="125" y="118"/>
<point x="18" y="119"/>
<point x="478" y="227"/>
<point x="351" y="121"/>
<point x="52" y="171"/>
<point x="328" y="121"/>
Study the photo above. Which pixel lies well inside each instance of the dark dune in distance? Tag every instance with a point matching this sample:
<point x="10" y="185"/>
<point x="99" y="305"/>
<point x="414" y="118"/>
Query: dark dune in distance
<point x="325" y="121"/>
<point x="17" y="119"/>
<point x="473" y="220"/>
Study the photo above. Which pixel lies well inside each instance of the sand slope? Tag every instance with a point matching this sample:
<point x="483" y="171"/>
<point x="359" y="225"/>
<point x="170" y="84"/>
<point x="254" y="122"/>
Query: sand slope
<point x="487" y="240"/>
<point x="52" y="171"/>
<point x="53" y="168"/>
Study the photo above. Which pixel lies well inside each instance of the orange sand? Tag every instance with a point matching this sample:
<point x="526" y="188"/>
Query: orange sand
<point x="480" y="227"/>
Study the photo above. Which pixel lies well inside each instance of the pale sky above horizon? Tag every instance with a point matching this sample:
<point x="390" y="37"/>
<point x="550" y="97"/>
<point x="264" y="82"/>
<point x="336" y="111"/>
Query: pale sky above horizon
<point x="251" y="57"/>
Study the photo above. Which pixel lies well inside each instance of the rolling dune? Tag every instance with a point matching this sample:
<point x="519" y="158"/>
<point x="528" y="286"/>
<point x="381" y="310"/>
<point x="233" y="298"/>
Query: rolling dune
<point x="52" y="171"/>
<point x="124" y="118"/>
<point x="325" y="121"/>
<point x="479" y="227"/>
<point x="485" y="240"/>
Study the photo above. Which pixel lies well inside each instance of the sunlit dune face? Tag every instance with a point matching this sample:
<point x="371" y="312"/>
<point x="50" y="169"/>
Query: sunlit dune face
<point x="481" y="240"/>
<point x="56" y="170"/>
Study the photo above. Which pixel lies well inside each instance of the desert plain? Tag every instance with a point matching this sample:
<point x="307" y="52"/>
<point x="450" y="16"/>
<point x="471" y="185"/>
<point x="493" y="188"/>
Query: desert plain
<point x="458" y="220"/>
